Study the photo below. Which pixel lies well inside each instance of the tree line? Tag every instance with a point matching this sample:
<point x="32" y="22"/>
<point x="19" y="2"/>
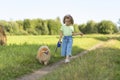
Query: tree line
<point x="103" y="27"/>
<point x="33" y="27"/>
<point x="52" y="27"/>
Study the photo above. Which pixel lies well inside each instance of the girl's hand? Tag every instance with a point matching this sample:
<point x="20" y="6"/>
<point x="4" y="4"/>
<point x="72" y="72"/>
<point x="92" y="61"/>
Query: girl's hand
<point x="60" y="40"/>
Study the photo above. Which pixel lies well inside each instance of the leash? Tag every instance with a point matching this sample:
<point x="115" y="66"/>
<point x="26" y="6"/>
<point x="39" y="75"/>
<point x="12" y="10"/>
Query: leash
<point x="58" y="45"/>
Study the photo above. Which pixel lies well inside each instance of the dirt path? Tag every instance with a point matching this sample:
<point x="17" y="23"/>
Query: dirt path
<point x="43" y="71"/>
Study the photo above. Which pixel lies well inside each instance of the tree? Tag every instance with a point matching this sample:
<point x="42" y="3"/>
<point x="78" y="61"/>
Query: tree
<point x="26" y="24"/>
<point x="82" y="28"/>
<point x="21" y="28"/>
<point x="15" y="27"/>
<point x="54" y="27"/>
<point x="20" y="24"/>
<point x="4" y="24"/>
<point x="39" y="26"/>
<point x="106" y="27"/>
<point x="45" y="28"/>
<point x="9" y="27"/>
<point x="91" y="27"/>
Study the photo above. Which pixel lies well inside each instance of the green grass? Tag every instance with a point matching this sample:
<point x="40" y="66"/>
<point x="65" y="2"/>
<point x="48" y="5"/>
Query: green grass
<point x="18" y="57"/>
<point x="99" y="64"/>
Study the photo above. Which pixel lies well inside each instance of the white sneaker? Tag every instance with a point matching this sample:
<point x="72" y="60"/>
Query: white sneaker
<point x="67" y="60"/>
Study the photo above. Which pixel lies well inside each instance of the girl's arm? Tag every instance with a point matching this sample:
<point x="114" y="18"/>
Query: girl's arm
<point x="61" y="34"/>
<point x="75" y="34"/>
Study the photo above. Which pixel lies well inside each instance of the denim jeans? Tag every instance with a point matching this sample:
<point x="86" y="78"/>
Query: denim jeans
<point x="66" y="46"/>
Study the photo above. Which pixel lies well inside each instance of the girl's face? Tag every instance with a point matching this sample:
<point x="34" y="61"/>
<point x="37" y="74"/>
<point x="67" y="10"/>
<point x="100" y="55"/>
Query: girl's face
<point x="67" y="22"/>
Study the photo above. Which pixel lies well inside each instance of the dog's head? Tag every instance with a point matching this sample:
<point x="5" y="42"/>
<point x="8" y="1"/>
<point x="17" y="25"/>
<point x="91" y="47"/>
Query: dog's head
<point x="44" y="50"/>
<point x="43" y="54"/>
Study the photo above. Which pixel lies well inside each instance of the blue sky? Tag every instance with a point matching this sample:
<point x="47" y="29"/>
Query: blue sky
<point x="81" y="10"/>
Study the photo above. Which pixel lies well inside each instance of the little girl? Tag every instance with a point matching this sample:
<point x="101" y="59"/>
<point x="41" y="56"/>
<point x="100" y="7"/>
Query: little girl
<point x="67" y="31"/>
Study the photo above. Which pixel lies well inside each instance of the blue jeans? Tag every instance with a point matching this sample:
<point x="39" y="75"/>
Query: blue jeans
<point x="66" y="46"/>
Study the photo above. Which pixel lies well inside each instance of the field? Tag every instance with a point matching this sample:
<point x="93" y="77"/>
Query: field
<point x="99" y="64"/>
<point x="18" y="56"/>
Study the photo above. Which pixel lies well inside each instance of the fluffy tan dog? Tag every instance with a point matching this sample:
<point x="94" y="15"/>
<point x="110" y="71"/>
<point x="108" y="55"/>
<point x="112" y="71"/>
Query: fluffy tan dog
<point x="43" y="55"/>
<point x="3" y="38"/>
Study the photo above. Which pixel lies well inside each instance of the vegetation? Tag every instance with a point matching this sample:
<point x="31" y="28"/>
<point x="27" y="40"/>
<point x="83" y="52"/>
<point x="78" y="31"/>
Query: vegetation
<point x="32" y="27"/>
<point x="52" y="27"/>
<point x="103" y="27"/>
<point x="99" y="64"/>
<point x="18" y="57"/>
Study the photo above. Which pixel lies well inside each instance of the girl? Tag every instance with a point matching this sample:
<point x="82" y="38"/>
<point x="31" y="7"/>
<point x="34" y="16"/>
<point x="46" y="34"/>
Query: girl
<point x="67" y="31"/>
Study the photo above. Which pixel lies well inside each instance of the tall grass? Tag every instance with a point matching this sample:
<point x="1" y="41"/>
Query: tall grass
<point x="18" y="57"/>
<point x="99" y="64"/>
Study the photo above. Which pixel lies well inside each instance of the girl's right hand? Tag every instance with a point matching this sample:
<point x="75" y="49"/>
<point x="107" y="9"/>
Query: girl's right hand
<point x="60" y="40"/>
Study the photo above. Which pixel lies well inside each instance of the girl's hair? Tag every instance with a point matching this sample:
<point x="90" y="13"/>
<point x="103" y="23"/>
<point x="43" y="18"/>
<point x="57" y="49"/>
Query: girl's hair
<point x="68" y="17"/>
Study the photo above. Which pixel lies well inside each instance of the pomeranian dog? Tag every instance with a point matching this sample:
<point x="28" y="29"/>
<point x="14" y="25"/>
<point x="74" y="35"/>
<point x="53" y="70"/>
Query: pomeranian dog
<point x="43" y="55"/>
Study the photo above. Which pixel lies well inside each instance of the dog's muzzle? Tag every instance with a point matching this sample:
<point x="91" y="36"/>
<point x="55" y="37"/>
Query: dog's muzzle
<point x="46" y="52"/>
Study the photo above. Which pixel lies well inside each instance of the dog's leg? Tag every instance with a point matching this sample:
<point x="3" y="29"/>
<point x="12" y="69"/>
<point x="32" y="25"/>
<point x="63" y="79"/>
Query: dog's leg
<point x="41" y="62"/>
<point x="46" y="62"/>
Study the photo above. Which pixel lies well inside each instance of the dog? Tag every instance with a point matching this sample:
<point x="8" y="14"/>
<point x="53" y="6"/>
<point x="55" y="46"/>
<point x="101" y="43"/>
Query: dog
<point x="3" y="38"/>
<point x="43" y="55"/>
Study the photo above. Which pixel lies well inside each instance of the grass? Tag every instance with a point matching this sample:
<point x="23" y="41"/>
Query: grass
<point x="18" y="56"/>
<point x="99" y="64"/>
